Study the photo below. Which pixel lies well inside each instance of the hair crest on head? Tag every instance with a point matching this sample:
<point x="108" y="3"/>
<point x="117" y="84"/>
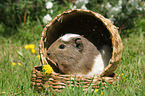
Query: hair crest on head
<point x="67" y="37"/>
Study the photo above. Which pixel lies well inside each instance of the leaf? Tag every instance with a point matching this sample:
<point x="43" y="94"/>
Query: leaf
<point x="20" y="53"/>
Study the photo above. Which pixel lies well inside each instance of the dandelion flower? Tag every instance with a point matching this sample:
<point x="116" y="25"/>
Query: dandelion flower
<point x="101" y="92"/>
<point x="13" y="64"/>
<point x="31" y="46"/>
<point x="96" y="90"/>
<point x="38" y="56"/>
<point x="26" y="46"/>
<point x="49" y="5"/>
<point x="47" y="18"/>
<point x="19" y="64"/>
<point x="47" y="69"/>
<point x="33" y="51"/>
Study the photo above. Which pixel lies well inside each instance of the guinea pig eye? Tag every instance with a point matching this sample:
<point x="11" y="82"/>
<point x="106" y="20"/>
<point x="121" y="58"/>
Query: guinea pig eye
<point x="62" y="46"/>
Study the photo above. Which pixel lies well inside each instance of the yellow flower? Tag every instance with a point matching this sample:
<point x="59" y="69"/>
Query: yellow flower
<point x="47" y="69"/>
<point x="13" y="64"/>
<point x="19" y="64"/>
<point x="122" y="74"/>
<point x="26" y="46"/>
<point x="96" y="90"/>
<point x="31" y="46"/>
<point x="101" y="92"/>
<point x="33" y="51"/>
<point x="38" y="56"/>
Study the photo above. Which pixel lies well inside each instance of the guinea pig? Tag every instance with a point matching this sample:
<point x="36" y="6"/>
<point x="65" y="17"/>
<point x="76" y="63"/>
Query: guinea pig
<point x="74" y="54"/>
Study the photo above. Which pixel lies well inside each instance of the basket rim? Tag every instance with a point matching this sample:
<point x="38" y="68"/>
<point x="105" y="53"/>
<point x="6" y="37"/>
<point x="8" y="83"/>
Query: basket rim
<point x="70" y="75"/>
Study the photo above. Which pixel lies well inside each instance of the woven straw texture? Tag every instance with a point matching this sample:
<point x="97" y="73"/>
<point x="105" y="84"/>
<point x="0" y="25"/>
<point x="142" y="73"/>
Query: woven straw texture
<point x="92" y="26"/>
<point x="41" y="82"/>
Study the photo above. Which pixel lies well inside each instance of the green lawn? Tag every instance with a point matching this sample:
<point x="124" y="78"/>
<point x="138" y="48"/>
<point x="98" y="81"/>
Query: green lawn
<point x="16" y="80"/>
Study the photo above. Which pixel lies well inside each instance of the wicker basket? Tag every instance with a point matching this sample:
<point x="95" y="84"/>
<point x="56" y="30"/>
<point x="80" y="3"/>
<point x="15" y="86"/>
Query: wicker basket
<point x="92" y="26"/>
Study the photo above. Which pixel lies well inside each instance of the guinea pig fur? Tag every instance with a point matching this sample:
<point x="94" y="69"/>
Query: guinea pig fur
<point x="74" y="54"/>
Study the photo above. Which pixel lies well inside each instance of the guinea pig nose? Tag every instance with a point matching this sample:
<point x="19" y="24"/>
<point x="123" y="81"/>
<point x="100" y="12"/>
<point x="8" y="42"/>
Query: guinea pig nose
<point x="48" y="54"/>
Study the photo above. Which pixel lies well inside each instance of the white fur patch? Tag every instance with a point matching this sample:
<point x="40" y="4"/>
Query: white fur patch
<point x="98" y="66"/>
<point x="100" y="62"/>
<point x="67" y="37"/>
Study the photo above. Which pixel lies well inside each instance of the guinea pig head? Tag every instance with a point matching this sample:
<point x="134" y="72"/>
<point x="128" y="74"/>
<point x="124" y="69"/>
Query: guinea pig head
<point x="66" y="51"/>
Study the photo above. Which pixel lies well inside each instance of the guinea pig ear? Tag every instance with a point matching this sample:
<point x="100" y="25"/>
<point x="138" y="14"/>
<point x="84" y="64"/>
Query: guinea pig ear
<point x="79" y="44"/>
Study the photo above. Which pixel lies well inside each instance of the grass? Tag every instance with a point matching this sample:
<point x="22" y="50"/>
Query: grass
<point x="16" y="80"/>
